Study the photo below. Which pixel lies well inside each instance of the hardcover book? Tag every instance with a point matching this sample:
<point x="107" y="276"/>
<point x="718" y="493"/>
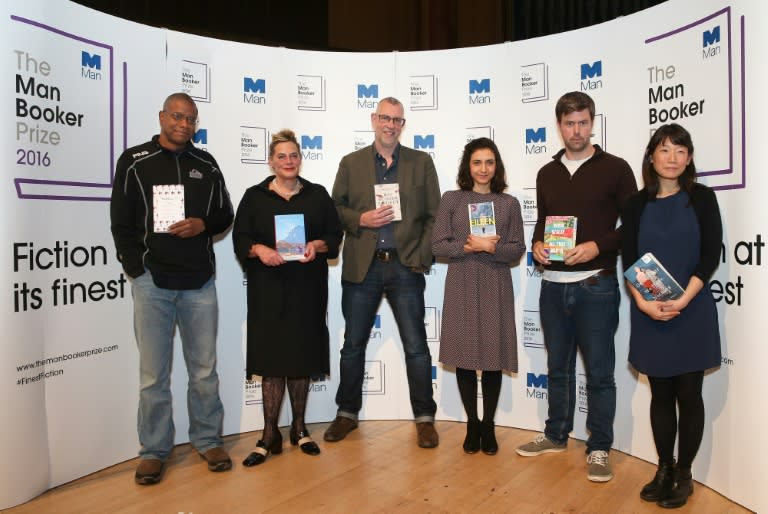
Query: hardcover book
<point x="290" y="237"/>
<point x="482" y="219"/>
<point x="654" y="282"/>
<point x="559" y="235"/>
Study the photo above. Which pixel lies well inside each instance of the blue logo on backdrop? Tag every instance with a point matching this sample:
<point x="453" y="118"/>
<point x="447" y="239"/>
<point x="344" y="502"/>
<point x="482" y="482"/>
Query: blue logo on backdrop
<point x="376" y="332"/>
<point x="90" y="64"/>
<point x="529" y="259"/>
<point x="434" y="372"/>
<point x="377" y="321"/>
<point x="200" y="137"/>
<point x="254" y="90"/>
<point x="427" y="141"/>
<point x="536" y="386"/>
<point x="534" y="136"/>
<point x="479" y="91"/>
<point x="590" y="75"/>
<point x="367" y="96"/>
<point x="711" y="39"/>
<point x="311" y="148"/>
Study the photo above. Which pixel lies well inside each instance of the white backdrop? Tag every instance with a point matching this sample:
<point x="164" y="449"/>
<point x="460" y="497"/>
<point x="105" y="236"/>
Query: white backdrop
<point x="69" y="381"/>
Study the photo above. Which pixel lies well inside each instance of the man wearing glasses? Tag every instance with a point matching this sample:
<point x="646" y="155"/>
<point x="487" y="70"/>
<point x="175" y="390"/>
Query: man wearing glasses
<point x="387" y="197"/>
<point x="168" y="201"/>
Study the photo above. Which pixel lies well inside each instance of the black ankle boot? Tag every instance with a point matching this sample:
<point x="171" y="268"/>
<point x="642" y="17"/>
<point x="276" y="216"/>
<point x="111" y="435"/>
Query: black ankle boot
<point x="662" y="484"/>
<point x="488" y="436"/>
<point x="683" y="489"/>
<point x="472" y="440"/>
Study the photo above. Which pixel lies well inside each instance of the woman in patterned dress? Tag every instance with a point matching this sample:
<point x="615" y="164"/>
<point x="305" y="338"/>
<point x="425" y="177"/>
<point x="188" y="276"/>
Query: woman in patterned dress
<point x="478" y="326"/>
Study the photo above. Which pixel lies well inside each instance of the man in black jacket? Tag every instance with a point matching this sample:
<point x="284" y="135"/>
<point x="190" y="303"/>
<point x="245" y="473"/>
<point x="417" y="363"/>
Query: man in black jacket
<point x="168" y="201"/>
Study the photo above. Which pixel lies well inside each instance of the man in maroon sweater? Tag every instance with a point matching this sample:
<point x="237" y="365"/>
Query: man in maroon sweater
<point x="579" y="300"/>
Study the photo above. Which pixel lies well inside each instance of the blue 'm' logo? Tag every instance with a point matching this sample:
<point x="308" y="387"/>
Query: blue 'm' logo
<point x="201" y="137"/>
<point x="377" y="321"/>
<point x="364" y="91"/>
<point x="710" y="37"/>
<point x="312" y="143"/>
<point x="94" y="61"/>
<point x="427" y="141"/>
<point x="591" y="70"/>
<point x="434" y="372"/>
<point x="479" y="86"/>
<point x="539" y="381"/>
<point x="254" y="86"/>
<point x="530" y="259"/>
<point x="538" y="135"/>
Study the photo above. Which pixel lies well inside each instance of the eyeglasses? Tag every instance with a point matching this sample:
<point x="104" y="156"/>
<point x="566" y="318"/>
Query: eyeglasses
<point x="177" y="116"/>
<point x="383" y="118"/>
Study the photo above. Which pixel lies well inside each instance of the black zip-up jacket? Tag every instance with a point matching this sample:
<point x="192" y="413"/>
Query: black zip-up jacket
<point x="175" y="263"/>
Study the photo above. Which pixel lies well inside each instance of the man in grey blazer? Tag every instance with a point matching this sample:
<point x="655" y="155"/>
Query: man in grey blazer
<point x="385" y="252"/>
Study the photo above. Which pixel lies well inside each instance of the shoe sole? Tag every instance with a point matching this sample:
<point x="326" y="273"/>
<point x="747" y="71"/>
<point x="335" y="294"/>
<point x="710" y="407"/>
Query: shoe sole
<point x="220" y="466"/>
<point x="526" y="453"/>
<point x="147" y="480"/>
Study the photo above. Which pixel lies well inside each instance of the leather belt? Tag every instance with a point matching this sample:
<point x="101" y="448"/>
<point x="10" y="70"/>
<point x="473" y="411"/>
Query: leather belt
<point x="385" y="254"/>
<point x="609" y="272"/>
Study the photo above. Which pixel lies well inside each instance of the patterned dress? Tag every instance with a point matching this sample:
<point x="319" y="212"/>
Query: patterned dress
<point x="478" y="322"/>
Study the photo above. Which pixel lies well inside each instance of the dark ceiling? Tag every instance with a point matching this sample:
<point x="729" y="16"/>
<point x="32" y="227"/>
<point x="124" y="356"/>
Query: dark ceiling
<point x="354" y="25"/>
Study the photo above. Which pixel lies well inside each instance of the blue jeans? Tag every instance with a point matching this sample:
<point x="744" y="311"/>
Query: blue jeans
<point x="581" y="315"/>
<point x="156" y="312"/>
<point x="359" y="303"/>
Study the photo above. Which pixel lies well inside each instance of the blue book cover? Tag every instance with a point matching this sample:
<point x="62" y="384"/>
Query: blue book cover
<point x="290" y="237"/>
<point x="654" y="282"/>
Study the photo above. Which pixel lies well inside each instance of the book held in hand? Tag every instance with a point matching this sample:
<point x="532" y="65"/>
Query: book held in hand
<point x="167" y="206"/>
<point x="559" y="236"/>
<point x="290" y="237"/>
<point x="482" y="219"/>
<point x="389" y="194"/>
<point x="654" y="282"/>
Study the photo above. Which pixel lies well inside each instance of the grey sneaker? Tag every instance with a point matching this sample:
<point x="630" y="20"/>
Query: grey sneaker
<point x="540" y="445"/>
<point x="599" y="469"/>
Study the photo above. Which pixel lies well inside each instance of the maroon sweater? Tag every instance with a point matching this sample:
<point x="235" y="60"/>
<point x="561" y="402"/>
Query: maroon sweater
<point x="595" y="195"/>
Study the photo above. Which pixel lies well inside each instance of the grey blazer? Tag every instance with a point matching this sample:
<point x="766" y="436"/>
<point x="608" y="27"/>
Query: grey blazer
<point x="419" y="199"/>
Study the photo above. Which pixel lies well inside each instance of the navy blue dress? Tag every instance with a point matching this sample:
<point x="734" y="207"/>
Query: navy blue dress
<point x="690" y="342"/>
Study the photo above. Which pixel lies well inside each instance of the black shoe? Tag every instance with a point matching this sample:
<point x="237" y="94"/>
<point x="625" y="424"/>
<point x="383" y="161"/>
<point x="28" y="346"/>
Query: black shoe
<point x="339" y="429"/>
<point x="305" y="442"/>
<point x="259" y="455"/>
<point x="472" y="440"/>
<point x="488" y="438"/>
<point x="661" y="485"/>
<point x="679" y="495"/>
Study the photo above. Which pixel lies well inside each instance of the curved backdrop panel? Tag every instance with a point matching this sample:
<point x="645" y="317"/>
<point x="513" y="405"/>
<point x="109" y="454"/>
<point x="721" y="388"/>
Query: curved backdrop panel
<point x="82" y="86"/>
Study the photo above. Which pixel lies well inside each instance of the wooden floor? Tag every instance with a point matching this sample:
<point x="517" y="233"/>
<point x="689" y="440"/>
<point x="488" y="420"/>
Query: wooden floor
<point x="377" y="468"/>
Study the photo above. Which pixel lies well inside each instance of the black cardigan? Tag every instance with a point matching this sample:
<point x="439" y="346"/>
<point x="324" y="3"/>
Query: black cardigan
<point x="704" y="203"/>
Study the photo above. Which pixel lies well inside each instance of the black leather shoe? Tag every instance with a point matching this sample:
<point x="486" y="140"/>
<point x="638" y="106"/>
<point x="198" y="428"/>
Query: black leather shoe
<point x="472" y="440"/>
<point x="305" y="442"/>
<point x="339" y="429"/>
<point x="488" y="438"/>
<point x="259" y="455"/>
<point x="661" y="485"/>
<point x="150" y="471"/>
<point x="679" y="495"/>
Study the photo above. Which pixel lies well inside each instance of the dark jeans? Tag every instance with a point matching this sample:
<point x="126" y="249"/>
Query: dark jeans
<point x="359" y="303"/>
<point x="581" y="316"/>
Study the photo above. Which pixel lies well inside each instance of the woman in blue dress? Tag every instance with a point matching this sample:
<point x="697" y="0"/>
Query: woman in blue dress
<point x="673" y="342"/>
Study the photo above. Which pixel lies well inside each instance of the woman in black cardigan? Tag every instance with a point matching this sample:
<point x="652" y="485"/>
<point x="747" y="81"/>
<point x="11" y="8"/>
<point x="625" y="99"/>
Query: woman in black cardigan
<point x="673" y="342"/>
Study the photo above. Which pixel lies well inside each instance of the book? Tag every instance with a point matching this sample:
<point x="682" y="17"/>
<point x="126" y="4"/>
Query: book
<point x="559" y="235"/>
<point x="482" y="219"/>
<point x="290" y="236"/>
<point x="167" y="206"/>
<point x="389" y="194"/>
<point x="654" y="282"/>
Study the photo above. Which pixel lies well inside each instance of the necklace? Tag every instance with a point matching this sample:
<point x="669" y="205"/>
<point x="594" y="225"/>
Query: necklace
<point x="287" y="194"/>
